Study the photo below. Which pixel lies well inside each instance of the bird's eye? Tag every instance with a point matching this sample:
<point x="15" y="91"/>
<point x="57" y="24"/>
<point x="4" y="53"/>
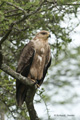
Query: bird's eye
<point x="43" y="33"/>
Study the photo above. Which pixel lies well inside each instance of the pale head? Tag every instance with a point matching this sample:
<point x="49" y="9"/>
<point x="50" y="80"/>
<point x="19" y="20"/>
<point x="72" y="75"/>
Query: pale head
<point x="43" y="35"/>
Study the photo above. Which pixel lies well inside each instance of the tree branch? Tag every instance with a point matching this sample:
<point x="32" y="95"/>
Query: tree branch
<point x="18" y="21"/>
<point x="8" y="108"/>
<point x="33" y="12"/>
<point x="1" y="57"/>
<point x="1" y="4"/>
<point x="30" y="105"/>
<point x="17" y="7"/>
<point x="7" y="34"/>
<point x="16" y="75"/>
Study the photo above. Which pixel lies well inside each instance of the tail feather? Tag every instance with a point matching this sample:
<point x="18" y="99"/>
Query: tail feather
<point x="21" y="94"/>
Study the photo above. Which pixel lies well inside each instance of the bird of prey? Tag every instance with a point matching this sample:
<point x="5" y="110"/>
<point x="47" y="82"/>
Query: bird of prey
<point x="34" y="62"/>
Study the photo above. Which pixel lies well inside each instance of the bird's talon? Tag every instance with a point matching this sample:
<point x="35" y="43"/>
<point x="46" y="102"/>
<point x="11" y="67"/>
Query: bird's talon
<point x="33" y="80"/>
<point x="37" y="85"/>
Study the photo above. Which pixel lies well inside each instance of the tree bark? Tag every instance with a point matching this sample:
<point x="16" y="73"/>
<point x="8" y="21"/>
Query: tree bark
<point x="30" y="105"/>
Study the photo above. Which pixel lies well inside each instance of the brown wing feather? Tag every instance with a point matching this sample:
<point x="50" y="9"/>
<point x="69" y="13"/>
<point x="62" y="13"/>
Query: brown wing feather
<point x="24" y="65"/>
<point x="26" y="55"/>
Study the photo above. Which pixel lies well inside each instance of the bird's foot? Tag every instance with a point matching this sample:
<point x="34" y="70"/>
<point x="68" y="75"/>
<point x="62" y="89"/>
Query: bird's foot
<point x="33" y="80"/>
<point x="37" y="85"/>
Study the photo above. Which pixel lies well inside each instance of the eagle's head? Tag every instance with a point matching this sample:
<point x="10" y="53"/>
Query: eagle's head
<point x="44" y="35"/>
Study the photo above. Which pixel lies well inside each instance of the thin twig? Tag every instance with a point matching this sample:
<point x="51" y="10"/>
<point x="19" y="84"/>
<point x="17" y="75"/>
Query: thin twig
<point x="7" y="34"/>
<point x="18" y="21"/>
<point x="8" y="108"/>
<point x="17" y="7"/>
<point x="33" y="12"/>
<point x="1" y="4"/>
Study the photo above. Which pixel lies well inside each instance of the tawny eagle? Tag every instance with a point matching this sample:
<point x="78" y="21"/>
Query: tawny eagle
<point x="34" y="62"/>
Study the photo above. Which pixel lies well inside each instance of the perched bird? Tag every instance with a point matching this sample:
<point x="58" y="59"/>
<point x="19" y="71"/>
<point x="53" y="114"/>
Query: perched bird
<point x="33" y="63"/>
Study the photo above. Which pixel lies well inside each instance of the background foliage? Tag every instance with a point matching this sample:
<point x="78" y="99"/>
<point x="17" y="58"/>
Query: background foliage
<point x="19" y="21"/>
